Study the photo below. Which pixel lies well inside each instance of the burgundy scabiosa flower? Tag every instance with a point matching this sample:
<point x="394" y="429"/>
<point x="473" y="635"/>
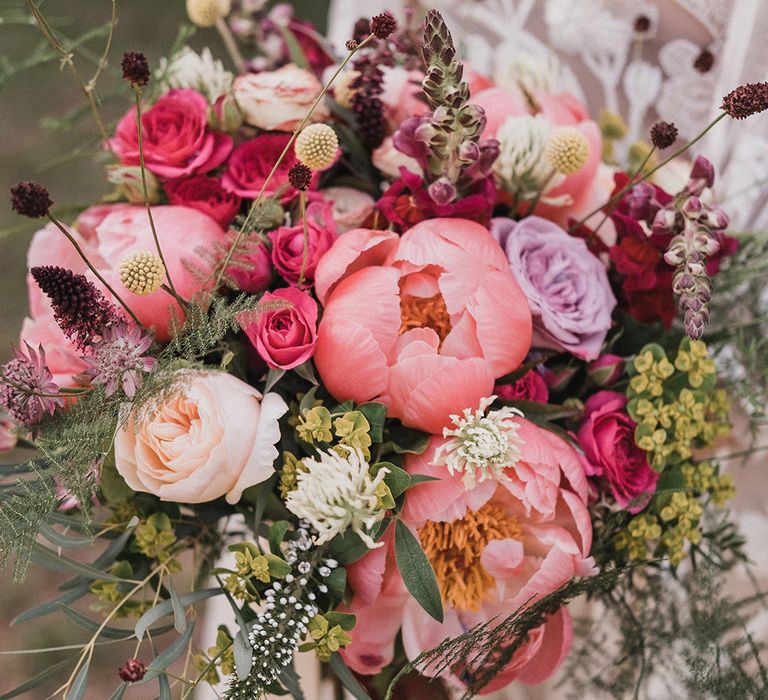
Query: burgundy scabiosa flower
<point x="30" y="199"/>
<point x="300" y="176"/>
<point x="135" y="68"/>
<point x="132" y="671"/>
<point x="383" y="25"/>
<point x="746" y="100"/>
<point x="119" y="359"/>
<point x="27" y="389"/>
<point x="663" y="134"/>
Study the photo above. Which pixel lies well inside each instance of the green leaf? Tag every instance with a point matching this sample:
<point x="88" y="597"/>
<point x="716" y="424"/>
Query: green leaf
<point x="113" y="485"/>
<point x="375" y="414"/>
<point x="51" y="605"/>
<point x="118" y="694"/>
<point x="179" y="619"/>
<point x="348" y="547"/>
<point x="346" y="621"/>
<point x="166" y="608"/>
<point x="165" y="688"/>
<point x="421" y="479"/>
<point x="36" y="680"/>
<point x="295" y="52"/>
<point x="307" y="371"/>
<point x="274" y="376"/>
<point x="545" y="410"/>
<point x="308" y="400"/>
<point x="398" y="480"/>
<point x="278" y="567"/>
<point x="77" y="690"/>
<point x="290" y="680"/>
<point x="407" y="441"/>
<point x="276" y="534"/>
<point x="167" y="657"/>
<point x="91" y="626"/>
<point x="60" y="540"/>
<point x="337" y="582"/>
<point x="243" y="654"/>
<point x="48" y="559"/>
<point x="347" y="678"/>
<point x="417" y="572"/>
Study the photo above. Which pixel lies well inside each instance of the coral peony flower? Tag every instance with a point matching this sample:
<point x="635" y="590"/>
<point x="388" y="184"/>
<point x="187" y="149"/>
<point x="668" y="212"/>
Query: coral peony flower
<point x="214" y="436"/>
<point x="566" y="286"/>
<point x="608" y="438"/>
<point x="422" y="322"/>
<point x="494" y="547"/>
<point x="176" y="138"/>
<point x="288" y="246"/>
<point x="284" y="336"/>
<point x="278" y="100"/>
<point x="251" y="163"/>
<point x="205" y="194"/>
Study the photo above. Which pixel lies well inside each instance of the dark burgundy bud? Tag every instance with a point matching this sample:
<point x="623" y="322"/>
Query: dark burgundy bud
<point x="132" y="671"/>
<point x="135" y="68"/>
<point x="642" y="24"/>
<point x="704" y="61"/>
<point x="383" y="25"/>
<point x="300" y="176"/>
<point x="746" y="100"/>
<point x="30" y="199"/>
<point x="663" y="134"/>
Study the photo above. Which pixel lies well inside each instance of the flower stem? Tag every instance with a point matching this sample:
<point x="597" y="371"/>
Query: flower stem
<point x="99" y="276"/>
<point x="305" y="252"/>
<point x="139" y="130"/>
<point x="230" y="44"/>
<point x="228" y="257"/>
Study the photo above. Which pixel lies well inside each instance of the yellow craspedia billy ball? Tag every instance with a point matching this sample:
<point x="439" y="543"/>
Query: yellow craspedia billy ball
<point x="205" y="13"/>
<point x="142" y="272"/>
<point x="567" y="150"/>
<point x="316" y="146"/>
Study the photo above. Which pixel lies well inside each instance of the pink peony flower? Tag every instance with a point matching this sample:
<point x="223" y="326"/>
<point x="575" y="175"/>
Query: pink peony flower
<point x="213" y="437"/>
<point x="251" y="163"/>
<point x="351" y="207"/>
<point x="184" y="235"/>
<point x="254" y="270"/>
<point x="608" y="438"/>
<point x="566" y="286"/>
<point x="176" y="137"/>
<point x="206" y="195"/>
<point x="422" y="322"/>
<point x="288" y="255"/>
<point x="284" y="337"/>
<point x="494" y="547"/>
<point x="278" y="100"/>
<point x="389" y="160"/>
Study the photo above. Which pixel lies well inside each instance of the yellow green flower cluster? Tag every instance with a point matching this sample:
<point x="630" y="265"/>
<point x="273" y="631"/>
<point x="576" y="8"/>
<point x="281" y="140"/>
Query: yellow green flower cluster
<point x="704" y="478"/>
<point x="155" y="537"/>
<point x="109" y="593"/>
<point x="318" y="425"/>
<point x="219" y="659"/>
<point x="251" y="563"/>
<point x="328" y="633"/>
<point x="675" y="403"/>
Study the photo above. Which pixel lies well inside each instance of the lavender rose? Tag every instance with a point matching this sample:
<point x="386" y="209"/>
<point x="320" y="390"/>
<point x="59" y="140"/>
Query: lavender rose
<point x="566" y="286"/>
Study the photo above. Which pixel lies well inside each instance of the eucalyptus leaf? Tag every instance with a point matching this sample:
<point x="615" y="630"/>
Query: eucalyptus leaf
<point x="417" y="572"/>
<point x="119" y="692"/>
<point x="308" y="399"/>
<point x="307" y="371"/>
<point x="51" y="605"/>
<point x="291" y="682"/>
<point x="179" y="619"/>
<point x="165" y="688"/>
<point x="274" y="376"/>
<point x="243" y="654"/>
<point x="89" y="625"/>
<point x="77" y="690"/>
<point x="36" y="680"/>
<point x="48" y="559"/>
<point x="60" y="540"/>
<point x="276" y="534"/>
<point x="397" y="480"/>
<point x="347" y="678"/>
<point x="169" y="655"/>
<point x="166" y="608"/>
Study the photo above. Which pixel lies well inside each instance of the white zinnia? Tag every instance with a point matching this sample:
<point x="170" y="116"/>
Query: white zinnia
<point x="521" y="167"/>
<point x="336" y="493"/>
<point x="481" y="444"/>
<point x="201" y="72"/>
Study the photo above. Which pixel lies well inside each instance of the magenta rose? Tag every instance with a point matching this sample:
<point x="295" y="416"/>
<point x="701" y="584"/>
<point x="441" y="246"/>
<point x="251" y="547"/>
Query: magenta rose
<point x="253" y="270"/>
<point x="176" y="138"/>
<point x="530" y="387"/>
<point x="288" y="244"/>
<point x="206" y="195"/>
<point x="251" y="163"/>
<point x="285" y="335"/>
<point x="607" y="436"/>
<point x="566" y="286"/>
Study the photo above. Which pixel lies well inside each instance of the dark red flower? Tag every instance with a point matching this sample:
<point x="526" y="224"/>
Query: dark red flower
<point x="205" y="194"/>
<point x="530" y="387"/>
<point x="132" y="671"/>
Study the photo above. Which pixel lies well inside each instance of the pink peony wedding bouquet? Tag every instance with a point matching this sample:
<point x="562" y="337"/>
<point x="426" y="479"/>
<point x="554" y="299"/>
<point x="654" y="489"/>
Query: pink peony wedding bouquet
<point x="395" y="360"/>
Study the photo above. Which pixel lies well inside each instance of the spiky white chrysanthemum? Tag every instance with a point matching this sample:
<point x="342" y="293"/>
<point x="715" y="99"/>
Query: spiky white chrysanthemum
<point x="522" y="167"/>
<point x="335" y="493"/>
<point x="201" y="72"/>
<point x="481" y="446"/>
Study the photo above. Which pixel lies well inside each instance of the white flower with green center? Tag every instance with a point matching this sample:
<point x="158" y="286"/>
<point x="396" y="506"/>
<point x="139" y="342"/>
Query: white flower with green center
<point x="481" y="446"/>
<point x="201" y="72"/>
<point x="335" y="493"/>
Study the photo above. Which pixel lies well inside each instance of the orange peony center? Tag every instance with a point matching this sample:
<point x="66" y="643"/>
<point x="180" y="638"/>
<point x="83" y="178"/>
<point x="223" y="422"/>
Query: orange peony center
<point x="454" y="551"/>
<point x="425" y="312"/>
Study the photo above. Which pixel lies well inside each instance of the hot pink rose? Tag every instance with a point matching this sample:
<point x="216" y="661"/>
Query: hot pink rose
<point x="422" y="323"/>
<point x="253" y="271"/>
<point x="530" y="534"/>
<point x="251" y="163"/>
<point x="278" y="100"/>
<point x="213" y="437"/>
<point x="288" y="254"/>
<point x="283" y="337"/>
<point x="206" y="195"/>
<point x="184" y="235"/>
<point x="608" y="438"/>
<point x="176" y="138"/>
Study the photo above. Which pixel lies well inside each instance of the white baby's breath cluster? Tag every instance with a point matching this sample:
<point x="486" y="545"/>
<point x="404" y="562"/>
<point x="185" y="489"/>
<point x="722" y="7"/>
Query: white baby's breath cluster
<point x="201" y="72"/>
<point x="481" y="446"/>
<point x="336" y="492"/>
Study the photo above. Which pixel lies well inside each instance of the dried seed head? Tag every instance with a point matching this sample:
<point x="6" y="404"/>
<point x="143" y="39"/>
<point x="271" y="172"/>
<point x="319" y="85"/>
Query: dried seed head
<point x="142" y="272"/>
<point x="30" y="199"/>
<point x="663" y="134"/>
<point x="135" y="68"/>
<point x="300" y="176"/>
<point x="567" y="150"/>
<point x="316" y="146"/>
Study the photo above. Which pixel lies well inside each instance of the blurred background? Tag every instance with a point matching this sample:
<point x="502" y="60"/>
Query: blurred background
<point x="47" y="135"/>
